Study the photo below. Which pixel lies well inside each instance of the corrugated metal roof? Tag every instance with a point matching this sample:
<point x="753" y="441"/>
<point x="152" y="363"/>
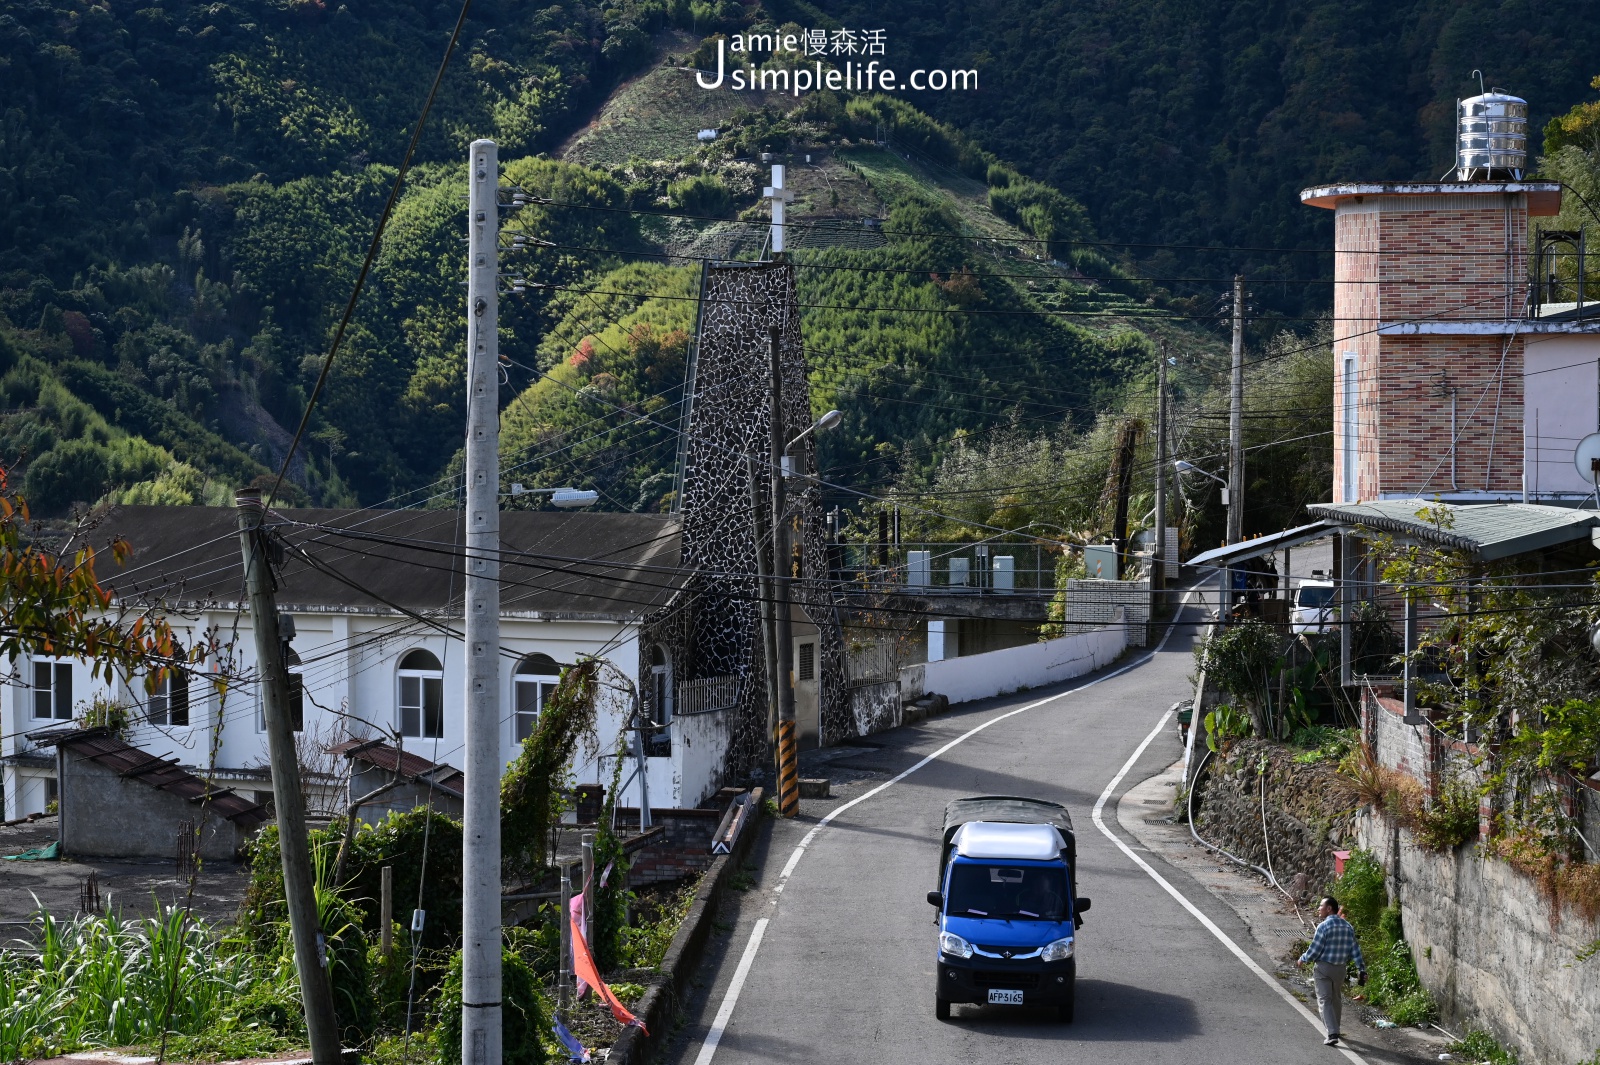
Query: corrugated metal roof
<point x="1486" y="530"/>
<point x="1262" y="545"/>
<point x="403" y="763"/>
<point x="110" y="750"/>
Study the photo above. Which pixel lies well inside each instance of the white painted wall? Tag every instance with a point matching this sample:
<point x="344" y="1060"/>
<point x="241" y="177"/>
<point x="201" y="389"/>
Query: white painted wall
<point x="349" y="663"/>
<point x="1561" y="405"/>
<point x="1030" y="666"/>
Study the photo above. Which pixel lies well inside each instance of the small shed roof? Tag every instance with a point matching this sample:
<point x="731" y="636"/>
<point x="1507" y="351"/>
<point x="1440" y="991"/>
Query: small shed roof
<point x="110" y="750"/>
<point x="404" y="764"/>
<point x="1262" y="545"/>
<point x="1487" y="531"/>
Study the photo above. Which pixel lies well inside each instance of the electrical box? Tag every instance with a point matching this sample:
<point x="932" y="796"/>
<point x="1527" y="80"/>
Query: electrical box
<point x="1100" y="562"/>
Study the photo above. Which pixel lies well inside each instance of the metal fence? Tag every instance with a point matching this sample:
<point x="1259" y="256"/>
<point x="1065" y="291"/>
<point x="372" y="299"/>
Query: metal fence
<point x="989" y="568"/>
<point x="706" y="695"/>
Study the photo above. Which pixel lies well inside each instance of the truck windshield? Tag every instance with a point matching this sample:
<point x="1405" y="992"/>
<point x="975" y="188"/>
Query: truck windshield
<point x="1034" y="893"/>
<point x="1318" y="595"/>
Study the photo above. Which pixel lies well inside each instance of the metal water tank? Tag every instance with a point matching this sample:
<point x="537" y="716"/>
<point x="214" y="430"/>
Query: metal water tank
<point x="1491" y="138"/>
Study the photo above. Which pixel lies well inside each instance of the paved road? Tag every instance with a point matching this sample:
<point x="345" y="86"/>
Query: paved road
<point x="844" y="969"/>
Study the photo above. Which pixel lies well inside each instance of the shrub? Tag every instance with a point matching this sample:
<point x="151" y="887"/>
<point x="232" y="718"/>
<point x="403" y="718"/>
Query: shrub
<point x="1392" y="972"/>
<point x="523" y="1011"/>
<point x="701" y="194"/>
<point x="1450" y="821"/>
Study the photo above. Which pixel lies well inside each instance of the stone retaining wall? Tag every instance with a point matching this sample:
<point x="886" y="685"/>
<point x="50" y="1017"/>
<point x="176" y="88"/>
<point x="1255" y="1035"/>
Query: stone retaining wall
<point x="1491" y="949"/>
<point x="1310" y="813"/>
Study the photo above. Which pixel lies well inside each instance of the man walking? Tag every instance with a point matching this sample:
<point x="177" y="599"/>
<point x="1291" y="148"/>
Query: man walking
<point x="1332" y="949"/>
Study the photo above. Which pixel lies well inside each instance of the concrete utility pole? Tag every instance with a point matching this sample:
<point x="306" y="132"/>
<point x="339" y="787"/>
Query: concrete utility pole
<point x="1158" y="564"/>
<point x="322" y="1030"/>
<point x="788" y="769"/>
<point x="1236" y="420"/>
<point x="764" y="600"/>
<point x="480" y="908"/>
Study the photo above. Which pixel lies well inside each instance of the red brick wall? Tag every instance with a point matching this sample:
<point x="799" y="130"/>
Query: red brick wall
<point x="1444" y="258"/>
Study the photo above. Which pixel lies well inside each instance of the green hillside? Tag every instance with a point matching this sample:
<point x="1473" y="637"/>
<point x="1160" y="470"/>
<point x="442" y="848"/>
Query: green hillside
<point x="189" y="190"/>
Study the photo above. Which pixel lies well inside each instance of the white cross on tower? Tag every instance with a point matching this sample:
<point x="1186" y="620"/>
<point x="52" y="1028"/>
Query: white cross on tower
<point x="778" y="195"/>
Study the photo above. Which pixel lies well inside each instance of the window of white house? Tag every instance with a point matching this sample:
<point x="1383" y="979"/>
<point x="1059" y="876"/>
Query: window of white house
<point x="52" y="689"/>
<point x="297" y="706"/>
<point x="169" y="703"/>
<point x="52" y="792"/>
<point x="535" y="679"/>
<point x="658" y="742"/>
<point x="420" y="680"/>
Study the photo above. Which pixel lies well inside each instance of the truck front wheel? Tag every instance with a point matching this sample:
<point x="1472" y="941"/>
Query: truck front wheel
<point x="941" y="1009"/>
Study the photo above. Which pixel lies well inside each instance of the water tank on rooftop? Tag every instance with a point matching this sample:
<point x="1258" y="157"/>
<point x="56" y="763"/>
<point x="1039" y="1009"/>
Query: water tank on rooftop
<point x="1491" y="138"/>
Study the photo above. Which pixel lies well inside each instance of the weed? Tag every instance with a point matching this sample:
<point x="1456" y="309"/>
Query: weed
<point x="645" y="944"/>
<point x="743" y="879"/>
<point x="1480" y="1046"/>
<point x="770" y="807"/>
<point x="1450" y="821"/>
<point x="1392" y="972"/>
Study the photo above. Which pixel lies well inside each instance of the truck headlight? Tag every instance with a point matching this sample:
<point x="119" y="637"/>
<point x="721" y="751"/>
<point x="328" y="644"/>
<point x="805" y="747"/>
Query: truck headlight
<point x="1060" y="950"/>
<point x="956" y="947"/>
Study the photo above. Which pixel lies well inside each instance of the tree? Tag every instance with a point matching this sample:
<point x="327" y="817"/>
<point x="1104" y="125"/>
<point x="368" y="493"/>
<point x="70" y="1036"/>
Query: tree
<point x="55" y="605"/>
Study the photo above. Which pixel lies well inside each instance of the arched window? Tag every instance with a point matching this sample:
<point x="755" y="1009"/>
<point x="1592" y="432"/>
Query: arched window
<point x="659" y="741"/>
<point x="535" y="679"/>
<point x="420" y="680"/>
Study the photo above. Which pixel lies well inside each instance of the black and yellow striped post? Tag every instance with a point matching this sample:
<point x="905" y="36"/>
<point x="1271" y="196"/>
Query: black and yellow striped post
<point x="788" y="771"/>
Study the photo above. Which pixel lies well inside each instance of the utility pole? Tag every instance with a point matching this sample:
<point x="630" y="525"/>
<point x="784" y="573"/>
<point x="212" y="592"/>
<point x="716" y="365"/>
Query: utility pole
<point x="788" y="770"/>
<point x="1236" y="420"/>
<point x="322" y="1030"/>
<point x="764" y="601"/>
<point x="1158" y="564"/>
<point x="480" y="904"/>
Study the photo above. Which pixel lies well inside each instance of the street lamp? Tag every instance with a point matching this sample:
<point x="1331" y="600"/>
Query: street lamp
<point x="566" y="498"/>
<point x="821" y="425"/>
<point x="1188" y="467"/>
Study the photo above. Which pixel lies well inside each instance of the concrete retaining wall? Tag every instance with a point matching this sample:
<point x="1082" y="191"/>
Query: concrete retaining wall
<point x="1098" y="603"/>
<point x="1033" y="665"/>
<point x="1491" y="949"/>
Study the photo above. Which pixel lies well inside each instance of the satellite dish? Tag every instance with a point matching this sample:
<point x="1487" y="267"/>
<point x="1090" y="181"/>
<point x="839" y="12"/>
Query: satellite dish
<point x="1587" y="458"/>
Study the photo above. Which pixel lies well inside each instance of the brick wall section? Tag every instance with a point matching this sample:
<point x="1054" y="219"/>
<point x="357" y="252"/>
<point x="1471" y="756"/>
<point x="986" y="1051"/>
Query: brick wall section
<point x="1414" y="429"/>
<point x="1436" y="258"/>
<point x="684" y="850"/>
<point x="1398" y="745"/>
<point x="1091" y="602"/>
<point x="1355" y="313"/>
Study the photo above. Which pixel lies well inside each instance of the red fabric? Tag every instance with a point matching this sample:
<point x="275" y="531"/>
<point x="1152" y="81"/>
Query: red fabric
<point x="583" y="964"/>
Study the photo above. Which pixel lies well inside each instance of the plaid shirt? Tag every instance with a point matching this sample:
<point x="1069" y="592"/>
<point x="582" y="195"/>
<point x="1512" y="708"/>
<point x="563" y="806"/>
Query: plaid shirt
<point x="1335" y="943"/>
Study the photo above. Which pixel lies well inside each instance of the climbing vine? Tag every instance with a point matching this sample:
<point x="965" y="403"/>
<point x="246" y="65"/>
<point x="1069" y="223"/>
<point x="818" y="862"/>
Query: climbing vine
<point x="533" y="790"/>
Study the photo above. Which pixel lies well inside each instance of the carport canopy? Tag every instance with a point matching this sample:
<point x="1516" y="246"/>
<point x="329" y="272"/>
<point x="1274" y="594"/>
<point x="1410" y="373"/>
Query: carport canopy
<point x="1264" y="545"/>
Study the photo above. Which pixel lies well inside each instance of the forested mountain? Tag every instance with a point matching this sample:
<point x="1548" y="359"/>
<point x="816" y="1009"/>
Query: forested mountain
<point x="1183" y="123"/>
<point x="188" y="190"/>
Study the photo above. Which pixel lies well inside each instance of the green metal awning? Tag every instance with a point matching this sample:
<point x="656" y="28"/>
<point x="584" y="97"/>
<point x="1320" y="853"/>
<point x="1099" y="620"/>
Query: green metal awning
<point x="1486" y="531"/>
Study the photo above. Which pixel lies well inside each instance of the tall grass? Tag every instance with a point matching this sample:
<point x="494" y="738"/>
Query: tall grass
<point x="99" y="980"/>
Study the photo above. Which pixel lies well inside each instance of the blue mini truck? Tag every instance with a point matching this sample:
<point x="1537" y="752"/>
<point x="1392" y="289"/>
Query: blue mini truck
<point x="1008" y="903"/>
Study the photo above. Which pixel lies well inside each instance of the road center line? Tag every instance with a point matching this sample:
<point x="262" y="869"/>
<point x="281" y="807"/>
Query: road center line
<point x="1210" y="926"/>
<point x="730" y="998"/>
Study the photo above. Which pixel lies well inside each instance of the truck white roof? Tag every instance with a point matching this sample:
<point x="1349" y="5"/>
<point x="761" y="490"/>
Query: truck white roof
<point x="992" y="839"/>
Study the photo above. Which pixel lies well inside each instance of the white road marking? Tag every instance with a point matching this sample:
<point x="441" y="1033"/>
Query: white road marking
<point x="730" y="998"/>
<point x="1210" y="926"/>
<point x="720" y="1025"/>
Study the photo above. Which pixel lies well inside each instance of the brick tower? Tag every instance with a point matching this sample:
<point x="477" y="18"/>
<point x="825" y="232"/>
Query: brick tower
<point x="1431" y="335"/>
